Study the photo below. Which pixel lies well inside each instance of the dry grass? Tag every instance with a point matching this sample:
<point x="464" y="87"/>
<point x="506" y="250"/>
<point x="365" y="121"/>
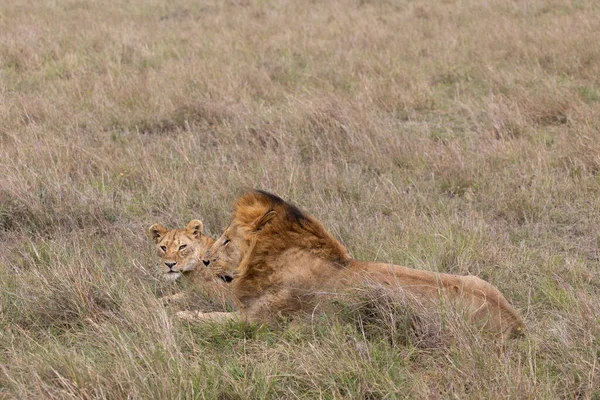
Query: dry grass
<point x="458" y="136"/>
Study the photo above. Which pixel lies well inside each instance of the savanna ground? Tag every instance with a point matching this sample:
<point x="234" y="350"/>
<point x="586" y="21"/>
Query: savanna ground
<point x="459" y="136"/>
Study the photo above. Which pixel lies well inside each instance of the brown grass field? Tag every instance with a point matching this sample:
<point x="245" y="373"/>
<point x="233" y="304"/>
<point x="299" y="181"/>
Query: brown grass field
<point x="459" y="136"/>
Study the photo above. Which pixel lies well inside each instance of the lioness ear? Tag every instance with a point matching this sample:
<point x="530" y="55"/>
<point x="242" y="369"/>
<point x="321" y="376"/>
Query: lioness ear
<point x="262" y="221"/>
<point x="194" y="228"/>
<point x="156" y="232"/>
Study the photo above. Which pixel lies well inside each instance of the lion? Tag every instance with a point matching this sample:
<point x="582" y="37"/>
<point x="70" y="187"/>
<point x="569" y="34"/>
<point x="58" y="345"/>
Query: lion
<point x="180" y="252"/>
<point x="283" y="261"/>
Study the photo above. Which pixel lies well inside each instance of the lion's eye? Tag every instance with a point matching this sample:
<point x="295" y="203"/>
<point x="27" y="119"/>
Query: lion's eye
<point x="226" y="242"/>
<point x="163" y="248"/>
<point x="183" y="246"/>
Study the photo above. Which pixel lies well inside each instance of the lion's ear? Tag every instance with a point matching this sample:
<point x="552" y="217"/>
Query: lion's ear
<point x="262" y="221"/>
<point x="156" y="232"/>
<point x="194" y="228"/>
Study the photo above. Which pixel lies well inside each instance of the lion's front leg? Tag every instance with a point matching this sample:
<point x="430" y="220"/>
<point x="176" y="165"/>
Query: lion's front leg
<point x="199" y="316"/>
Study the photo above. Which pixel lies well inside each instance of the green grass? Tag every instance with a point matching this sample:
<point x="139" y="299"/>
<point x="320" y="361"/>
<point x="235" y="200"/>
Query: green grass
<point x="454" y="136"/>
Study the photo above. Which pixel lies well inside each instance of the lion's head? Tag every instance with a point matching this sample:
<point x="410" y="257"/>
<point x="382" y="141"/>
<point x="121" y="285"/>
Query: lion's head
<point x="264" y="225"/>
<point x="179" y="250"/>
<point x="225" y="255"/>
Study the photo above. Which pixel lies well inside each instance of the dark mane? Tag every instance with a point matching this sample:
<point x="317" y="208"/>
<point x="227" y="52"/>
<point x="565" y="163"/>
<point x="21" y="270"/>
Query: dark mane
<point x="292" y="213"/>
<point x="289" y="227"/>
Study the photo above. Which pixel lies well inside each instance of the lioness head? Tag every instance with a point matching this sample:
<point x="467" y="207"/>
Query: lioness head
<point x="179" y="250"/>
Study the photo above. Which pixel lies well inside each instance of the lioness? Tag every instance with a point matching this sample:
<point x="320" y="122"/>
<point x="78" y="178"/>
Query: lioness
<point x="180" y="252"/>
<point x="283" y="261"/>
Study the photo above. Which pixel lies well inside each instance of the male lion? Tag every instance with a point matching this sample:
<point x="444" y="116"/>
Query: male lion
<point x="180" y="252"/>
<point x="283" y="261"/>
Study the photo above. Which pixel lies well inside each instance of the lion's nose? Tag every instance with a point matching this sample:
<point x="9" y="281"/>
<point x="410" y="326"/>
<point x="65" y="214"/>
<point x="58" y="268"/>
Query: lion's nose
<point x="206" y="262"/>
<point x="170" y="264"/>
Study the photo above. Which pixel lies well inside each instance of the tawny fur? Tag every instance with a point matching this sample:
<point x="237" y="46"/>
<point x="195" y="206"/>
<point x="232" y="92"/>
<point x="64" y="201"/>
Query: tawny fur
<point x="283" y="261"/>
<point x="176" y="261"/>
<point x="180" y="252"/>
